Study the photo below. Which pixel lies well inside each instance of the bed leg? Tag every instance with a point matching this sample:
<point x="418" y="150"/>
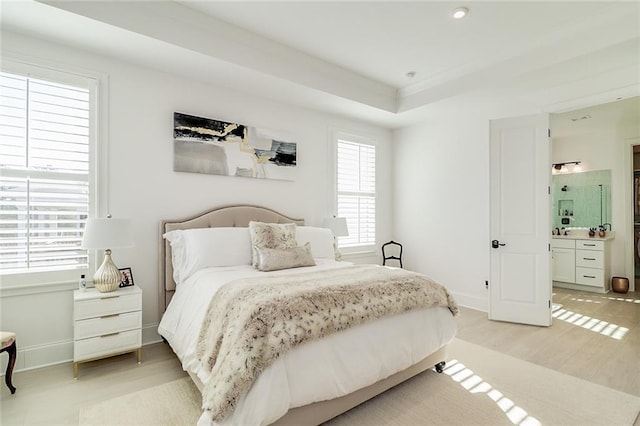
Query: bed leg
<point x="440" y="366"/>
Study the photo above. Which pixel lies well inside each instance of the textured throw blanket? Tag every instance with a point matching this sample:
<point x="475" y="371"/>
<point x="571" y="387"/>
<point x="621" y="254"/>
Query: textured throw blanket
<point x="251" y="322"/>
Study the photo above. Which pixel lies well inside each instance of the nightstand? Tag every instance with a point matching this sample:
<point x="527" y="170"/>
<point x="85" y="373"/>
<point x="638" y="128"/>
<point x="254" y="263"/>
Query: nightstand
<point x="106" y="324"/>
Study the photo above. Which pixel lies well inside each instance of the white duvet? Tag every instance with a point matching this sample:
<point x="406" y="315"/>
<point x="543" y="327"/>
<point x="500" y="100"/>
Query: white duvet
<point x="325" y="369"/>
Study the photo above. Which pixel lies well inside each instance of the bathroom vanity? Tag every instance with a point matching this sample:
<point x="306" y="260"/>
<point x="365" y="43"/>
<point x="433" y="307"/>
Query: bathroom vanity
<point x="581" y="262"/>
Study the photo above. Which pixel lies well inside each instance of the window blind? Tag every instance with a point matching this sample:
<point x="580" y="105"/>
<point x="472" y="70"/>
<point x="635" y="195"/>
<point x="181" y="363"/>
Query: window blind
<point x="44" y="174"/>
<point x="356" y="192"/>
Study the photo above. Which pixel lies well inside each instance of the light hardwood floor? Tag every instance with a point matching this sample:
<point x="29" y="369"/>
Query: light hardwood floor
<point x="595" y="337"/>
<point x="51" y="396"/>
<point x="606" y="354"/>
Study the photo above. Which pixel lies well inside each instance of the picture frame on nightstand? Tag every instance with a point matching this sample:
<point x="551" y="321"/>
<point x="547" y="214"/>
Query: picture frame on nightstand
<point x="126" y="277"/>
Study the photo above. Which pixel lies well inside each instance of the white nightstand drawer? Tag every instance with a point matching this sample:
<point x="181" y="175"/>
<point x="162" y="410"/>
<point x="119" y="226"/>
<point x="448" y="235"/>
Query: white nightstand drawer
<point x="590" y="276"/>
<point x="107" y="324"/>
<point x="95" y="347"/>
<point x="590" y="258"/>
<point x="589" y="245"/>
<point x="107" y="304"/>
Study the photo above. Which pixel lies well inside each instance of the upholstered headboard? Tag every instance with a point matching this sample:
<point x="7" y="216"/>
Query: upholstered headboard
<point x="228" y="216"/>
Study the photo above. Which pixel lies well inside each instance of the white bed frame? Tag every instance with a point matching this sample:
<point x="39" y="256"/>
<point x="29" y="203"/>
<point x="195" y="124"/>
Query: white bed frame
<point x="241" y="215"/>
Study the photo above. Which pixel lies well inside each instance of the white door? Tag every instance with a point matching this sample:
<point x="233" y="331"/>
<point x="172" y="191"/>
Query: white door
<point x="520" y="282"/>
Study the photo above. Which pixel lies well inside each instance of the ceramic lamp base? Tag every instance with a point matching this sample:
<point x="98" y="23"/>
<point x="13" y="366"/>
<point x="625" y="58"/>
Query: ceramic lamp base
<point x="107" y="277"/>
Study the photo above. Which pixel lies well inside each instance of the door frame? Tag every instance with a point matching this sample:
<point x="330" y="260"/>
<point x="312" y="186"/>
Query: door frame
<point x="627" y="184"/>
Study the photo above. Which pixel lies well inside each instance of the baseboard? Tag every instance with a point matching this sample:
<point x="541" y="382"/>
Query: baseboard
<point x="469" y="301"/>
<point x="150" y="334"/>
<point x="32" y="357"/>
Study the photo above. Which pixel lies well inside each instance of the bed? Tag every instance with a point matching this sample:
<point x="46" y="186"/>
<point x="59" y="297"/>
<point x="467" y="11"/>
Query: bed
<point x="315" y="381"/>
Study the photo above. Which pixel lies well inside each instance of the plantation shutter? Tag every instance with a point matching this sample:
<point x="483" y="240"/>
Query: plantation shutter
<point x="356" y="192"/>
<point x="44" y="174"/>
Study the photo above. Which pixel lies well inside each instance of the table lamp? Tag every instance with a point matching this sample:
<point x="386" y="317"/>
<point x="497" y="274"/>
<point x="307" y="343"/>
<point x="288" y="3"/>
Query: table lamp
<point x="338" y="226"/>
<point x="107" y="234"/>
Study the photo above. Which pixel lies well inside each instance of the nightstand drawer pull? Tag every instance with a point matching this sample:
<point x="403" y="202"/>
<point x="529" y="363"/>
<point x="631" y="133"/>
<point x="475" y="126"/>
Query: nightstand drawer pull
<point x="589" y="276"/>
<point x="109" y="297"/>
<point x="110" y="335"/>
<point x="589" y="258"/>
<point x="109" y="316"/>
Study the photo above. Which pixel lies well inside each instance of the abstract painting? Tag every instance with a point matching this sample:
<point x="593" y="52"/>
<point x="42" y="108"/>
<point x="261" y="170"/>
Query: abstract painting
<point x="204" y="145"/>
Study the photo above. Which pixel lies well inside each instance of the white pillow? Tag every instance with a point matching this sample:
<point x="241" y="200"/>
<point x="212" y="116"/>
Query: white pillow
<point x="321" y="240"/>
<point x="194" y="249"/>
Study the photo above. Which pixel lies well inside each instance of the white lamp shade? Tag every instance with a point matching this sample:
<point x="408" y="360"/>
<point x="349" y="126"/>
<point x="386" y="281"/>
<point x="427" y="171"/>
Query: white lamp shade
<point x="338" y="225"/>
<point x="107" y="234"/>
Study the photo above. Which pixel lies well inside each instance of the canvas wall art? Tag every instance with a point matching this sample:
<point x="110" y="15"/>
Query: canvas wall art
<point x="204" y="145"/>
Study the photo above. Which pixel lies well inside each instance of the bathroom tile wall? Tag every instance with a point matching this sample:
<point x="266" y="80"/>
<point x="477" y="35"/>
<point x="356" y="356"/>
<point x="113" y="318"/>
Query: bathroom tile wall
<point x="586" y="200"/>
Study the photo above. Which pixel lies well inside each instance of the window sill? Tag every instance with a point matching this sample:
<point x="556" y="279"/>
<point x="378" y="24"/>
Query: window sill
<point x="25" y="290"/>
<point x="358" y="254"/>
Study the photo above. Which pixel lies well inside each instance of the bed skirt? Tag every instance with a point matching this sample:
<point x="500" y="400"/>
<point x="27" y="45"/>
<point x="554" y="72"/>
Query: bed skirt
<point x="319" y="412"/>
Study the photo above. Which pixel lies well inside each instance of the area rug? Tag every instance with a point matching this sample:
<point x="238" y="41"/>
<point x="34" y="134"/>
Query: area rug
<point x="174" y="403"/>
<point x="484" y="387"/>
<point x="478" y="387"/>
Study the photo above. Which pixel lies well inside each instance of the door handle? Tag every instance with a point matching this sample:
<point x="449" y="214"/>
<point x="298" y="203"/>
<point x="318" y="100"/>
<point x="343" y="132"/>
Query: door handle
<point x="496" y="244"/>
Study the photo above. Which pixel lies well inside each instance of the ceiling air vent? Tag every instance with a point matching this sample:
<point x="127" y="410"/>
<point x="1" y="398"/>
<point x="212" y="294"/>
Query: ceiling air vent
<point x="584" y="117"/>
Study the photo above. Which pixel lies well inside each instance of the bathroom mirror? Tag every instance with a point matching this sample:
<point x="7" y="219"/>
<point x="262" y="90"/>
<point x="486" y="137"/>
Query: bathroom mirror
<point x="581" y="199"/>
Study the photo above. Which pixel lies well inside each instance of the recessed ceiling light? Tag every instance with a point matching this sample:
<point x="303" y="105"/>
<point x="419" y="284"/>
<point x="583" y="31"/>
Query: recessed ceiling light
<point x="459" y="12"/>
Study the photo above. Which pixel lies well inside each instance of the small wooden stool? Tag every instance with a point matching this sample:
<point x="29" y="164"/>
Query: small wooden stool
<point x="8" y="344"/>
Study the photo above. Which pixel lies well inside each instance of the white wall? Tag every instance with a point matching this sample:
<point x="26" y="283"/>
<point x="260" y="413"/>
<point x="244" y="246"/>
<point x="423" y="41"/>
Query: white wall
<point x="144" y="188"/>
<point x="441" y="194"/>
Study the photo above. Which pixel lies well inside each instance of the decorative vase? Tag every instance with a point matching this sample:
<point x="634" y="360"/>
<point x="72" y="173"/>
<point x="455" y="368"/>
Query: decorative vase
<point x="620" y="284"/>
<point x="107" y="277"/>
<point x="592" y="233"/>
<point x="601" y="233"/>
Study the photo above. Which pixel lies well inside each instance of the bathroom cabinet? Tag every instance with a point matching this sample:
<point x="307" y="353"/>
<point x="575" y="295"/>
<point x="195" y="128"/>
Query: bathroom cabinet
<point x="564" y="260"/>
<point x="581" y="264"/>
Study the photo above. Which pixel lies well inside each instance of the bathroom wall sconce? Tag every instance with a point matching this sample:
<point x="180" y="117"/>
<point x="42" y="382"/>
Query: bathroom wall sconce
<point x="560" y="167"/>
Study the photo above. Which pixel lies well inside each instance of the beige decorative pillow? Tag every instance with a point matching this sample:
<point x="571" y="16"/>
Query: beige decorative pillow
<point x="275" y="259"/>
<point x="280" y="236"/>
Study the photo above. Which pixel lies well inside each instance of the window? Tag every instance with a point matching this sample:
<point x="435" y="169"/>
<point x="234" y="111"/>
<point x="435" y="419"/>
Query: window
<point x="356" y="191"/>
<point x="45" y="169"/>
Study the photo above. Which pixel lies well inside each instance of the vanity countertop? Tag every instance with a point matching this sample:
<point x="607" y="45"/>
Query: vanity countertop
<point x="582" y="236"/>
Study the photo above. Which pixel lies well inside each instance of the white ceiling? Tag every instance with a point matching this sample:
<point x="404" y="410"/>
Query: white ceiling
<point x="384" y="40"/>
<point x="351" y="57"/>
<point x="594" y="118"/>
